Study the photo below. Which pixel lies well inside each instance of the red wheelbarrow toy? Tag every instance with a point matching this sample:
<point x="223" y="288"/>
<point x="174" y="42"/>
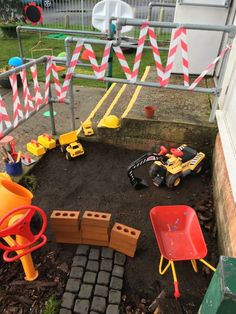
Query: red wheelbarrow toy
<point x="179" y="237"/>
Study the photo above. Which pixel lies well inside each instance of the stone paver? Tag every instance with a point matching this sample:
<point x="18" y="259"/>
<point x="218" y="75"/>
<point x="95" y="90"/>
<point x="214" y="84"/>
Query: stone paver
<point x="81" y="306"/>
<point x="107" y="252"/>
<point x="114" y="297"/>
<point x="82" y="250"/>
<point x="79" y="261"/>
<point x="103" y="278"/>
<point x="76" y="272"/>
<point x="120" y="259"/>
<point x="94" y="254"/>
<point x="95" y="282"/>
<point x="106" y="264"/>
<point x="98" y="304"/>
<point x="93" y="266"/>
<point x="90" y="277"/>
<point x="118" y="271"/>
<point x="68" y="300"/>
<point x="101" y="291"/>
<point x="112" y="309"/>
<point x="73" y="285"/>
<point x="116" y="283"/>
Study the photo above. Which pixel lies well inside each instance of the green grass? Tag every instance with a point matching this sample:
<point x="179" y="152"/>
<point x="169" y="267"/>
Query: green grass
<point x="9" y="48"/>
<point x="51" y="306"/>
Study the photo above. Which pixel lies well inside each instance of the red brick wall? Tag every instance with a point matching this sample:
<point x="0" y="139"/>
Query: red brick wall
<point x="224" y="203"/>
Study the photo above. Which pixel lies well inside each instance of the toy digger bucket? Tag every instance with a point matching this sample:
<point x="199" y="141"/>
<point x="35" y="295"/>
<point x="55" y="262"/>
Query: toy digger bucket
<point x="139" y="184"/>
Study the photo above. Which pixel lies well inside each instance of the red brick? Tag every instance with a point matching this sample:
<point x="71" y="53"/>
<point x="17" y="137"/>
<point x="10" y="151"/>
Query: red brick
<point x="94" y="236"/>
<point x="124" y="234"/>
<point x="64" y="227"/>
<point x="94" y="229"/>
<point x="65" y="217"/>
<point x="128" y="250"/>
<point x="96" y="219"/>
<point x="95" y="242"/>
<point x="68" y="237"/>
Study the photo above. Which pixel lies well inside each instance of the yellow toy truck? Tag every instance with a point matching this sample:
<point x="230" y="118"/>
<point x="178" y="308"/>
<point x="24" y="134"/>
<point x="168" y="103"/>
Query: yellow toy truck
<point x="70" y="146"/>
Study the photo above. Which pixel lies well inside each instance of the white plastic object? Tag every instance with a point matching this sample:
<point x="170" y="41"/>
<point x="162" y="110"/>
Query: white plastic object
<point x="103" y="10"/>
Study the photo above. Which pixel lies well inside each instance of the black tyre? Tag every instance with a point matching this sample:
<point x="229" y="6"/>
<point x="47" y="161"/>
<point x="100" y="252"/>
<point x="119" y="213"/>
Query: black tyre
<point x="63" y="149"/>
<point x="153" y="170"/>
<point x="68" y="156"/>
<point x="173" y="180"/>
<point x="198" y="169"/>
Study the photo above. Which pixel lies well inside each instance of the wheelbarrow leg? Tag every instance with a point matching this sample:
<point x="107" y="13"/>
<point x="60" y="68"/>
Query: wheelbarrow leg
<point x="162" y="272"/>
<point x="176" y="284"/>
<point x="207" y="264"/>
<point x="194" y="264"/>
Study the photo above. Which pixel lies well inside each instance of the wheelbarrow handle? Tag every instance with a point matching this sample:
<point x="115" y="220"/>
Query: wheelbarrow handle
<point x="176" y="287"/>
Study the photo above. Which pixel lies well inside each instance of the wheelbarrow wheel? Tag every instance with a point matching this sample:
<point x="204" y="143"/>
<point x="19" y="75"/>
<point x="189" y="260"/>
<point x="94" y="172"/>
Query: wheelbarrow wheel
<point x="173" y="180"/>
<point x="198" y="169"/>
<point x="153" y="170"/>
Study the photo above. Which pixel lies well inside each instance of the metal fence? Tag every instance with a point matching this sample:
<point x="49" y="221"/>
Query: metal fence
<point x="77" y="14"/>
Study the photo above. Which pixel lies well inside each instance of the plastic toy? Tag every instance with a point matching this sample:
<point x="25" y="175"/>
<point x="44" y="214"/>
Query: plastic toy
<point x="179" y="237"/>
<point x="26" y="160"/>
<point x="33" y="13"/>
<point x="15" y="62"/>
<point x="35" y="148"/>
<point x="46" y="141"/>
<point x="70" y="145"/>
<point x="111" y="122"/>
<point x="168" y="168"/>
<point x="87" y="128"/>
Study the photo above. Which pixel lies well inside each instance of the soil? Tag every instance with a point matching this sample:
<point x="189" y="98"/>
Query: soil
<point x="98" y="181"/>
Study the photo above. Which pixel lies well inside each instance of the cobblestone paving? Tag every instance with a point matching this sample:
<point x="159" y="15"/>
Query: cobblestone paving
<point x="95" y="282"/>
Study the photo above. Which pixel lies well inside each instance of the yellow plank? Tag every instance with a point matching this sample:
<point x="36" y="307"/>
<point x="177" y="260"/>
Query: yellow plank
<point x="99" y="104"/>
<point x="112" y="105"/>
<point x="136" y="93"/>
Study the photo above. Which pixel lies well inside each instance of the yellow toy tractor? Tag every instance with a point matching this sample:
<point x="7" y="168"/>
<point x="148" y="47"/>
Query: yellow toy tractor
<point x="168" y="168"/>
<point x="70" y="145"/>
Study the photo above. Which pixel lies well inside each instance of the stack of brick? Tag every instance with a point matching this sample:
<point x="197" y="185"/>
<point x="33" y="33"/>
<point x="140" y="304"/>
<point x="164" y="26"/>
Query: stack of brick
<point x="124" y="239"/>
<point x="65" y="225"/>
<point x="95" y="228"/>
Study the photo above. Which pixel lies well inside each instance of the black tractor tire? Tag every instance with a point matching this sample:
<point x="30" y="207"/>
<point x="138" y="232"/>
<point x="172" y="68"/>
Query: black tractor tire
<point x="173" y="180"/>
<point x="198" y="169"/>
<point x="153" y="170"/>
<point x="68" y="156"/>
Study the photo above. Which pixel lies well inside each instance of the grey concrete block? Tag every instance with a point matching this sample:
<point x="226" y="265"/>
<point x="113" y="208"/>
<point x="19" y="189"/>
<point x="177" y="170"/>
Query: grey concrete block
<point x="76" y="272"/>
<point x="65" y="311"/>
<point x="103" y="278"/>
<point x="116" y="283"/>
<point x="90" y="277"/>
<point x="94" y="254"/>
<point x="107" y="252"/>
<point x="68" y="300"/>
<point x="93" y="266"/>
<point x="81" y="306"/>
<point x="112" y="309"/>
<point x="101" y="291"/>
<point x="85" y="291"/>
<point x="106" y="264"/>
<point x="98" y="304"/>
<point x="114" y="297"/>
<point x="82" y="250"/>
<point x="79" y="261"/>
<point x="120" y="259"/>
<point x="92" y="312"/>
<point x="73" y="285"/>
<point x="118" y="271"/>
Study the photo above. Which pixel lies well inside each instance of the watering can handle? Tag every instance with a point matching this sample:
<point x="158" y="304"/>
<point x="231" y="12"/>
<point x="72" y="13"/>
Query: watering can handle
<point x="25" y="252"/>
<point x="22" y="227"/>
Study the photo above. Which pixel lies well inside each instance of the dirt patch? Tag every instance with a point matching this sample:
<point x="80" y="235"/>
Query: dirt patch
<point x="98" y="181"/>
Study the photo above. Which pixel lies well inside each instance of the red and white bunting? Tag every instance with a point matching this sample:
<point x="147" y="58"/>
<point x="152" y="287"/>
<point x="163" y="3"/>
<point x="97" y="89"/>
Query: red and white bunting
<point x="99" y="70"/>
<point x="209" y="67"/>
<point x="4" y="118"/>
<point x="47" y="80"/>
<point x="56" y="79"/>
<point x="28" y="103"/>
<point x="17" y="109"/>
<point x="38" y="99"/>
<point x="70" y="70"/>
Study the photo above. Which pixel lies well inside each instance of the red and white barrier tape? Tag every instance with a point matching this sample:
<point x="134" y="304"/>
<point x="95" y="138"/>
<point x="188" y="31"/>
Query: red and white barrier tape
<point x="4" y="118"/>
<point x="17" y="110"/>
<point x="47" y="80"/>
<point x="99" y="70"/>
<point x="209" y="67"/>
<point x="38" y="99"/>
<point x="70" y="70"/>
<point x="29" y="106"/>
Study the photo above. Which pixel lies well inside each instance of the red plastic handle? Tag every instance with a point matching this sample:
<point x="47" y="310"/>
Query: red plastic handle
<point x="47" y="136"/>
<point x="26" y="251"/>
<point x="176" y="286"/>
<point x="22" y="227"/>
<point x="176" y="152"/>
<point x="163" y="150"/>
<point x="35" y="143"/>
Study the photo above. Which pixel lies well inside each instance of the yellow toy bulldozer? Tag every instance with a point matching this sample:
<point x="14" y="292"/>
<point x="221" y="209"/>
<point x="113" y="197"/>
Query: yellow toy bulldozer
<point x="168" y="168"/>
<point x="70" y="145"/>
